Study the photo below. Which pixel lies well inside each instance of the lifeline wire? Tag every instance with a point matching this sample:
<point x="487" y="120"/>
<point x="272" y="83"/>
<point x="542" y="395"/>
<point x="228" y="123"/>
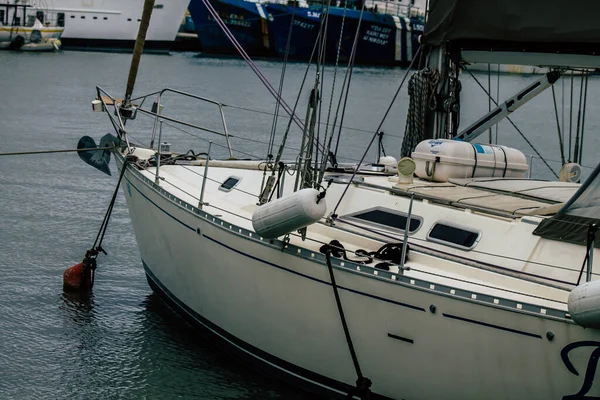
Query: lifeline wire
<point x="233" y="137"/>
<point x="20" y="153"/>
<point x="322" y="123"/>
<point x="426" y="250"/>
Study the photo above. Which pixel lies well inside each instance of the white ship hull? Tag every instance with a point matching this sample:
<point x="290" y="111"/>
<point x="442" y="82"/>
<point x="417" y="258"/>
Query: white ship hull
<point x="414" y="339"/>
<point x="115" y="23"/>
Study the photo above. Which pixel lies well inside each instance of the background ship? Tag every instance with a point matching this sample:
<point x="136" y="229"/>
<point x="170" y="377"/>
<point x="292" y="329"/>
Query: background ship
<point x="113" y="24"/>
<point x="384" y="37"/>
<point x="388" y="32"/>
<point x="247" y="21"/>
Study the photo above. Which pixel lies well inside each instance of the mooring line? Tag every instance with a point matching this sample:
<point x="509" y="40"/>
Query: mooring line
<point x="19" y="153"/>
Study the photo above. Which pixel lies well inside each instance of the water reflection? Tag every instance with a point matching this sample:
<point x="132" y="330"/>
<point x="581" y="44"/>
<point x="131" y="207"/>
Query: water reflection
<point x="79" y="306"/>
<point x="195" y="358"/>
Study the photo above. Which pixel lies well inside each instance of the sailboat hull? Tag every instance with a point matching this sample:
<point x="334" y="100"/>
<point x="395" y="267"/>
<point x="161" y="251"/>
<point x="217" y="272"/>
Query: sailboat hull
<point x="276" y="307"/>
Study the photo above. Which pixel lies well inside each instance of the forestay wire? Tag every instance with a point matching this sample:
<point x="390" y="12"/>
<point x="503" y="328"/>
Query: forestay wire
<point x="349" y="76"/>
<point x="252" y="65"/>
<point x="328" y="137"/>
<point x="281" y="80"/>
<point x="416" y="56"/>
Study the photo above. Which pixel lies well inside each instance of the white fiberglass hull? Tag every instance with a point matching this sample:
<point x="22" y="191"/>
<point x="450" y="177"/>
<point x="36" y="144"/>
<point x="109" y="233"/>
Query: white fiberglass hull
<point x="414" y="341"/>
<point x="115" y="23"/>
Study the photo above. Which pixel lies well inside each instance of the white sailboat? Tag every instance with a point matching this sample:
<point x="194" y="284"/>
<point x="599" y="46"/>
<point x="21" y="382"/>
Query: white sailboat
<point x="463" y="282"/>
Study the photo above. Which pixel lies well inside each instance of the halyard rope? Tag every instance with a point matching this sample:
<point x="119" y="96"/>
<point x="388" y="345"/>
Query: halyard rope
<point x="421" y="92"/>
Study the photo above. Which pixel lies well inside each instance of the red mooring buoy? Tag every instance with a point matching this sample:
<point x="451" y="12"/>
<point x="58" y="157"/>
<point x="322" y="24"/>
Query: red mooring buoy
<point x="79" y="277"/>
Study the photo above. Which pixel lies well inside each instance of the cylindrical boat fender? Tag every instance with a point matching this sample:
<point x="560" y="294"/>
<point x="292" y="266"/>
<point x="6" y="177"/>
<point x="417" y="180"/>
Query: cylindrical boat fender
<point x="288" y="214"/>
<point x="584" y="304"/>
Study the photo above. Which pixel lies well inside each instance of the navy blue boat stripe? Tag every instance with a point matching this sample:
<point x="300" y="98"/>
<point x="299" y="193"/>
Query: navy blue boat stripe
<point x="502" y="328"/>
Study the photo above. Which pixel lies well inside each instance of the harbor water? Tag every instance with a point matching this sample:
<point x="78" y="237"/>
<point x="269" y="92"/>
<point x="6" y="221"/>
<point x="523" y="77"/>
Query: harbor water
<point x="122" y="342"/>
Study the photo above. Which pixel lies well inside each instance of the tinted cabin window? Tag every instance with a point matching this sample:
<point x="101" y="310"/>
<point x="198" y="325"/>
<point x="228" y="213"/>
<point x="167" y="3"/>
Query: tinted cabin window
<point x="229" y="183"/>
<point x="2" y="16"/>
<point x="452" y="235"/>
<point x="389" y="219"/>
<point x="60" y="19"/>
<point x="40" y="15"/>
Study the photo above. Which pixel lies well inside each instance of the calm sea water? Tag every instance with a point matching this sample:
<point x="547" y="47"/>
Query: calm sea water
<point x="122" y="342"/>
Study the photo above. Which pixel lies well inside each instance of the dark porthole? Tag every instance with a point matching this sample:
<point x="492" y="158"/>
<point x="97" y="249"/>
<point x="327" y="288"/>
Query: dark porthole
<point x="453" y="236"/>
<point x="385" y="218"/>
<point x="229" y="183"/>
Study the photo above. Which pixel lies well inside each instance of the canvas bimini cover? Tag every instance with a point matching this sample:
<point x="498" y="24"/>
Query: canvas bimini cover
<point x="548" y="27"/>
<point x="572" y="222"/>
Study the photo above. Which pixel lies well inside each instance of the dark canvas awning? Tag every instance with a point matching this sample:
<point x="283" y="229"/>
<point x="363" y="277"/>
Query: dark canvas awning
<point x="572" y="222"/>
<point x="543" y="26"/>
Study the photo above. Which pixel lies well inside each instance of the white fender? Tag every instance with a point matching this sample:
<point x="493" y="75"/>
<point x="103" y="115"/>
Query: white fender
<point x="584" y="304"/>
<point x="288" y="214"/>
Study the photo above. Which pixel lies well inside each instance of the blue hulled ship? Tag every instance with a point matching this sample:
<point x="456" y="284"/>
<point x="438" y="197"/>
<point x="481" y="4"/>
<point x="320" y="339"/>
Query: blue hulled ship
<point x="384" y="38"/>
<point x="245" y="19"/>
<point x="305" y="30"/>
<point x="263" y="29"/>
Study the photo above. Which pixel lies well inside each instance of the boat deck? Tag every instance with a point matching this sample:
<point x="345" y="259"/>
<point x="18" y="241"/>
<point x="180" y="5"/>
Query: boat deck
<point x="520" y="197"/>
<point x="516" y="197"/>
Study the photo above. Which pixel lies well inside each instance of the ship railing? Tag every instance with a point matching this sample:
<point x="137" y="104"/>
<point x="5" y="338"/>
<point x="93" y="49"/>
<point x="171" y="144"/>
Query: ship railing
<point x="156" y="112"/>
<point x="120" y="115"/>
<point x="393" y="8"/>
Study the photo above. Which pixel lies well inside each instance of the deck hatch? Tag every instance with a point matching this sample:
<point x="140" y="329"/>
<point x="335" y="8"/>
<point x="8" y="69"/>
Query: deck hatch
<point x="229" y="183"/>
